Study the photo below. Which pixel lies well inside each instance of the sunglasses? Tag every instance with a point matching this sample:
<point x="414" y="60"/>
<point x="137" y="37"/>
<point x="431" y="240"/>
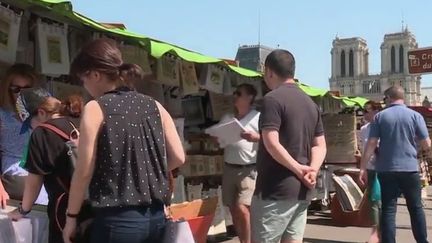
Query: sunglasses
<point x="17" y="89"/>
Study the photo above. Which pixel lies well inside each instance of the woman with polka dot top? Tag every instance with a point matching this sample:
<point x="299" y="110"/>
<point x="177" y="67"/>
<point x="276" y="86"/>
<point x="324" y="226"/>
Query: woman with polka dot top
<point x="128" y="145"/>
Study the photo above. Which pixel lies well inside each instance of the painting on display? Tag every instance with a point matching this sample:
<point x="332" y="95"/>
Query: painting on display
<point x="52" y="48"/>
<point x="189" y="78"/>
<point x="168" y="70"/>
<point x="9" y="31"/>
<point x="212" y="78"/>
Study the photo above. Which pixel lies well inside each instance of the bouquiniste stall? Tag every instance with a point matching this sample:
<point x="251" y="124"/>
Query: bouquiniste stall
<point x="196" y="89"/>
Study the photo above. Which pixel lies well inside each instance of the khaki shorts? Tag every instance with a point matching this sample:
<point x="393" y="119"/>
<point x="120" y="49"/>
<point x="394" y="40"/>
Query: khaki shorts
<point x="238" y="184"/>
<point x="273" y="221"/>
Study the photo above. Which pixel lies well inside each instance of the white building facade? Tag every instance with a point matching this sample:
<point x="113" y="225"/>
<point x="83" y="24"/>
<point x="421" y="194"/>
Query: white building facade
<point x="350" y="68"/>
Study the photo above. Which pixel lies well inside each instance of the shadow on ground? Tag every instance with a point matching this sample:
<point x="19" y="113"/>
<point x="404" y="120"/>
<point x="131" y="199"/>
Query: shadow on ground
<point x="312" y="240"/>
<point x="321" y="218"/>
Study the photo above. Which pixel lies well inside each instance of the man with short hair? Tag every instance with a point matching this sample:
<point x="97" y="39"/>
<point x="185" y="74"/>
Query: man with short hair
<point x="291" y="151"/>
<point x="398" y="130"/>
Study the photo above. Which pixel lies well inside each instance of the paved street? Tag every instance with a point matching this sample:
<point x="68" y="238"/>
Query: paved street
<point x="321" y="230"/>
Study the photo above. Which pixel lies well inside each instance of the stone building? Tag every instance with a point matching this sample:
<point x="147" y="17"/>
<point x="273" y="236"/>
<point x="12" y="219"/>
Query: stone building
<point x="350" y="67"/>
<point x="252" y="56"/>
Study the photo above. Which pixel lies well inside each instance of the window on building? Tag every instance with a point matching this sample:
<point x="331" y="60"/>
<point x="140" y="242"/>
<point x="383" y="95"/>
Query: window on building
<point x="371" y="87"/>
<point x="342" y="89"/>
<point x="393" y="59"/>
<point x="401" y="59"/>
<point x="343" y="71"/>
<point x="351" y="89"/>
<point x="351" y="63"/>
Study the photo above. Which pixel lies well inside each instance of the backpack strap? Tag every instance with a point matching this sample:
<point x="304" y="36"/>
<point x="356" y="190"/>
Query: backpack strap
<point x="55" y="130"/>
<point x="62" y="134"/>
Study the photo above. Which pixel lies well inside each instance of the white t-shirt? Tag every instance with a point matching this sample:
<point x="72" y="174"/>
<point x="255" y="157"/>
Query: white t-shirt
<point x="243" y="152"/>
<point x="364" y="136"/>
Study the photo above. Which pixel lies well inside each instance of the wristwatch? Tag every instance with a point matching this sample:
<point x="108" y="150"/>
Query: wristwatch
<point x="21" y="210"/>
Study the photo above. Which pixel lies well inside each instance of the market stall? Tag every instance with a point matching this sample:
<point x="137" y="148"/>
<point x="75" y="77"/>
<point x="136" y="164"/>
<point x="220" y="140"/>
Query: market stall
<point x="196" y="89"/>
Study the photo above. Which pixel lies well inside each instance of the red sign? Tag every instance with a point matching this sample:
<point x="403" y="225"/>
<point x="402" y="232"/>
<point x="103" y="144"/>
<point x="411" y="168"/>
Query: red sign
<point x="420" y="61"/>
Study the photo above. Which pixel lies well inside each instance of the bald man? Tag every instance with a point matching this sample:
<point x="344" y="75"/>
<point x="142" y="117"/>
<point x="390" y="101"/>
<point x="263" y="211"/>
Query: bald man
<point x="399" y="131"/>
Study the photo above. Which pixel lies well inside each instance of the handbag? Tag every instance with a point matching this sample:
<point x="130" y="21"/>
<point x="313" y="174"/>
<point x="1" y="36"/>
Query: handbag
<point x="375" y="193"/>
<point x="177" y="231"/>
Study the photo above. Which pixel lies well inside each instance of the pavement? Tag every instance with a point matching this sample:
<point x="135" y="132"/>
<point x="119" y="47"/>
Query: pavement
<point x="320" y="228"/>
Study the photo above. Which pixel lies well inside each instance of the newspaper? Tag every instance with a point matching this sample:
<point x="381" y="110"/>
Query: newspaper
<point x="227" y="133"/>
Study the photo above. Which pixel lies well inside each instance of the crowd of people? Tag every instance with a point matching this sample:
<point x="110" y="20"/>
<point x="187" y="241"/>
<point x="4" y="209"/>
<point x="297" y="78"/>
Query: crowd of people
<point x="128" y="144"/>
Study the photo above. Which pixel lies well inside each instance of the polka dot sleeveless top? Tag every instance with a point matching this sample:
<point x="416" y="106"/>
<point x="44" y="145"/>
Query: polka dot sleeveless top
<point x="131" y="167"/>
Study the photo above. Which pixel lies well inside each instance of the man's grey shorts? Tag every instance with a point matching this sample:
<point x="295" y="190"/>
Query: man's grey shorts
<point x="272" y="221"/>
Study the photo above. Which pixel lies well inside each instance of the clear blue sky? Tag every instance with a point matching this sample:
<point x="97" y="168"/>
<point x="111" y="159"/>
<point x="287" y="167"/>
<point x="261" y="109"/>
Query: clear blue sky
<point x="306" y="27"/>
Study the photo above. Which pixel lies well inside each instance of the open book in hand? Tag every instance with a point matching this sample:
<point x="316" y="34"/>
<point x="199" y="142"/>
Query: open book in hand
<point x="227" y="133"/>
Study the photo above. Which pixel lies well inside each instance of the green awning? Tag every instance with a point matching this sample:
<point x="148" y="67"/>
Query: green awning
<point x="352" y="101"/>
<point x="244" y="71"/>
<point x="311" y="91"/>
<point x="100" y="27"/>
<point x="360" y="101"/>
<point x="159" y="48"/>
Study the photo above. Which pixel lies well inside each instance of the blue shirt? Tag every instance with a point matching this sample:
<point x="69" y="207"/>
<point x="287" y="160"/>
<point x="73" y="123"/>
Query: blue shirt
<point x="398" y="128"/>
<point x="13" y="140"/>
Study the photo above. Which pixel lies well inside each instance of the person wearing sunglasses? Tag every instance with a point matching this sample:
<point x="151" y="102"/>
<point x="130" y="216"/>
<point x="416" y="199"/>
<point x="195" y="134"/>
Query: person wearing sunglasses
<point x="238" y="182"/>
<point x="13" y="136"/>
<point x="371" y="108"/>
<point x="47" y="156"/>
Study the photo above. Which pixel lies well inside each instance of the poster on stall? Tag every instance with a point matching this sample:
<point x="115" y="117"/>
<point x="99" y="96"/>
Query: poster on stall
<point x="212" y="78"/>
<point x="52" y="48"/>
<point x="341" y="137"/>
<point x="9" y="31"/>
<point x="136" y="55"/>
<point x="168" y="71"/>
<point x="220" y="105"/>
<point x="189" y="80"/>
